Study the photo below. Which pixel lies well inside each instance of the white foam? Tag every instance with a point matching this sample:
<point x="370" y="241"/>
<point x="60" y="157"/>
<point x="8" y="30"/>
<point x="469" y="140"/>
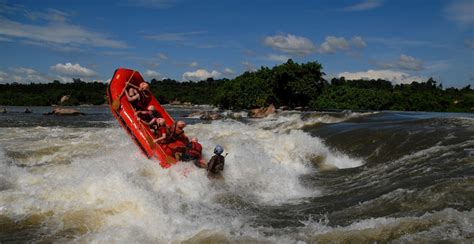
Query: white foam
<point x="297" y="120"/>
<point x="434" y="226"/>
<point x="97" y="179"/>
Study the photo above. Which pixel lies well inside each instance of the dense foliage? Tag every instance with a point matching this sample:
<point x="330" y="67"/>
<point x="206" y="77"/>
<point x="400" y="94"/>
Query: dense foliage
<point x="289" y="84"/>
<point x="80" y="92"/>
<point x="382" y="95"/>
<point x="202" y="92"/>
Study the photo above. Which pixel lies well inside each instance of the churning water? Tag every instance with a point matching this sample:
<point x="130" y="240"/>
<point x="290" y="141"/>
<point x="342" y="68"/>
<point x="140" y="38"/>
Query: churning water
<point x="295" y="176"/>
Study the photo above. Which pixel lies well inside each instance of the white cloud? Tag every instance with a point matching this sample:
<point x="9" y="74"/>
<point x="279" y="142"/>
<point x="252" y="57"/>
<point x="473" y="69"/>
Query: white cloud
<point x="193" y="64"/>
<point x="404" y="62"/>
<point x="277" y="58"/>
<point x="332" y="44"/>
<point x="461" y="11"/>
<point x="248" y="66"/>
<point x="200" y="74"/>
<point x="24" y="76"/>
<point x="390" y="75"/>
<point x="151" y="74"/>
<point x="365" y="5"/>
<point x="71" y="70"/>
<point x="50" y="15"/>
<point x="177" y="36"/>
<point x="3" y="77"/>
<point x="358" y="42"/>
<point x="291" y="44"/>
<point x="410" y="63"/>
<point x="228" y="72"/>
<point x="56" y="34"/>
<point x="162" y="56"/>
<point x="4" y="39"/>
<point x="158" y="4"/>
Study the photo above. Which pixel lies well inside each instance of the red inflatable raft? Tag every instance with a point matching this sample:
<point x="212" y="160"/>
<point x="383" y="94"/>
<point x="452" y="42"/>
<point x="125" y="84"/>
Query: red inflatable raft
<point x="125" y="115"/>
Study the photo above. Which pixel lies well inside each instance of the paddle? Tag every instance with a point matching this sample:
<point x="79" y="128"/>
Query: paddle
<point x="168" y="158"/>
<point x="116" y="103"/>
<point x="149" y="140"/>
<point x="152" y="144"/>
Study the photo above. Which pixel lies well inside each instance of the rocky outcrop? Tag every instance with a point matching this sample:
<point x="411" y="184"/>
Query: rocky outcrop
<point x="262" y="112"/>
<point x="206" y="115"/>
<point x="64" y="99"/>
<point x="65" y="111"/>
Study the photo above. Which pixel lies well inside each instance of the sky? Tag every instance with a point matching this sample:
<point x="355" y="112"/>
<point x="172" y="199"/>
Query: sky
<point x="396" y="40"/>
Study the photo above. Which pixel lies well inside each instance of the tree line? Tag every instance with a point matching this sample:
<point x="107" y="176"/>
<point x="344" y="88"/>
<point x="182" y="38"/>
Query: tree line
<point x="289" y="84"/>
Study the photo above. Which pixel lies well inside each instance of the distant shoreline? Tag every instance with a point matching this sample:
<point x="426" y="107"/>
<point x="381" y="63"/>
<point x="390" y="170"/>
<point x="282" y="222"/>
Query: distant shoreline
<point x="290" y="85"/>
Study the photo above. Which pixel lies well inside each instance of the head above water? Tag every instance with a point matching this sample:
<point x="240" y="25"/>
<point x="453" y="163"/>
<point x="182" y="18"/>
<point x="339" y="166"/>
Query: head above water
<point x="161" y="121"/>
<point x="181" y="124"/>
<point x="151" y="108"/>
<point x="144" y="86"/>
<point x="218" y="150"/>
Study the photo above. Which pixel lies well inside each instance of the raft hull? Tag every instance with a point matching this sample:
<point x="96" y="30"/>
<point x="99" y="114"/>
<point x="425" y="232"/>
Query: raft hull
<point x="125" y="115"/>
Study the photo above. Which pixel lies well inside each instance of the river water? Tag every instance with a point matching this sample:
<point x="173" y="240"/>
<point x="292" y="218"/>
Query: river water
<point x="292" y="177"/>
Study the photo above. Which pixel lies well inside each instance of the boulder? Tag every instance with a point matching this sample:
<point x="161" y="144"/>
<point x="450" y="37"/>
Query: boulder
<point x="65" y="111"/>
<point x="262" y="112"/>
<point x="211" y="116"/>
<point x="64" y="99"/>
<point x="195" y="114"/>
<point x="205" y="115"/>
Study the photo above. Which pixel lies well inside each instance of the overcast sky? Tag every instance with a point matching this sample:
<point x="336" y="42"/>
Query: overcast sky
<point x="398" y="40"/>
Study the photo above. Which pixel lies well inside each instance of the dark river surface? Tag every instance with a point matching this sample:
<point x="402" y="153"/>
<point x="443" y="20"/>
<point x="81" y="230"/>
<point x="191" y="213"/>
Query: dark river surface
<point x="294" y="177"/>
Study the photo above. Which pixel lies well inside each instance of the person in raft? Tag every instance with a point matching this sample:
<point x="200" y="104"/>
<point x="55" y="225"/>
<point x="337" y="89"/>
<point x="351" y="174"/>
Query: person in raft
<point x="194" y="153"/>
<point x="176" y="140"/>
<point x="216" y="164"/>
<point x="148" y="116"/>
<point x="158" y="127"/>
<point x="139" y="96"/>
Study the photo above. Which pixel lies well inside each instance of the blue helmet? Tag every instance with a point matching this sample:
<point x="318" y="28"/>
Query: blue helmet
<point x="218" y="150"/>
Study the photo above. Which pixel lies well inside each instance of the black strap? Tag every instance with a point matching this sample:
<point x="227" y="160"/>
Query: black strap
<point x="174" y="135"/>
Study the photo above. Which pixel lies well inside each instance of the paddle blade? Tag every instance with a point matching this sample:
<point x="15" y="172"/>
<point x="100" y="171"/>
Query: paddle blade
<point x="150" y="142"/>
<point x="116" y="104"/>
<point x="170" y="160"/>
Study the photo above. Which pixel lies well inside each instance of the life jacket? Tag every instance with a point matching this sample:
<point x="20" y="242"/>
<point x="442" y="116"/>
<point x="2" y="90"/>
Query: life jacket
<point x="149" y="115"/>
<point x="195" y="150"/>
<point x="142" y="102"/>
<point x="216" y="164"/>
<point x="158" y="130"/>
<point x="172" y="136"/>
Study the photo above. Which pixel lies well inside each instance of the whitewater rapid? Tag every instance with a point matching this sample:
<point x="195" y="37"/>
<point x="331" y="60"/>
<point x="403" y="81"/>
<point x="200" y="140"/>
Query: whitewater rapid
<point x="91" y="184"/>
<point x="95" y="183"/>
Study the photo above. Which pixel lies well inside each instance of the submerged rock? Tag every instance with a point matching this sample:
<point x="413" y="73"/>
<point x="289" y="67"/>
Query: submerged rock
<point x="65" y="111"/>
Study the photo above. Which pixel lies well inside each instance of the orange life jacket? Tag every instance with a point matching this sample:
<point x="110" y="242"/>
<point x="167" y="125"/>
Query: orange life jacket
<point x="142" y="102"/>
<point x="171" y="135"/>
<point x="195" y="150"/>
